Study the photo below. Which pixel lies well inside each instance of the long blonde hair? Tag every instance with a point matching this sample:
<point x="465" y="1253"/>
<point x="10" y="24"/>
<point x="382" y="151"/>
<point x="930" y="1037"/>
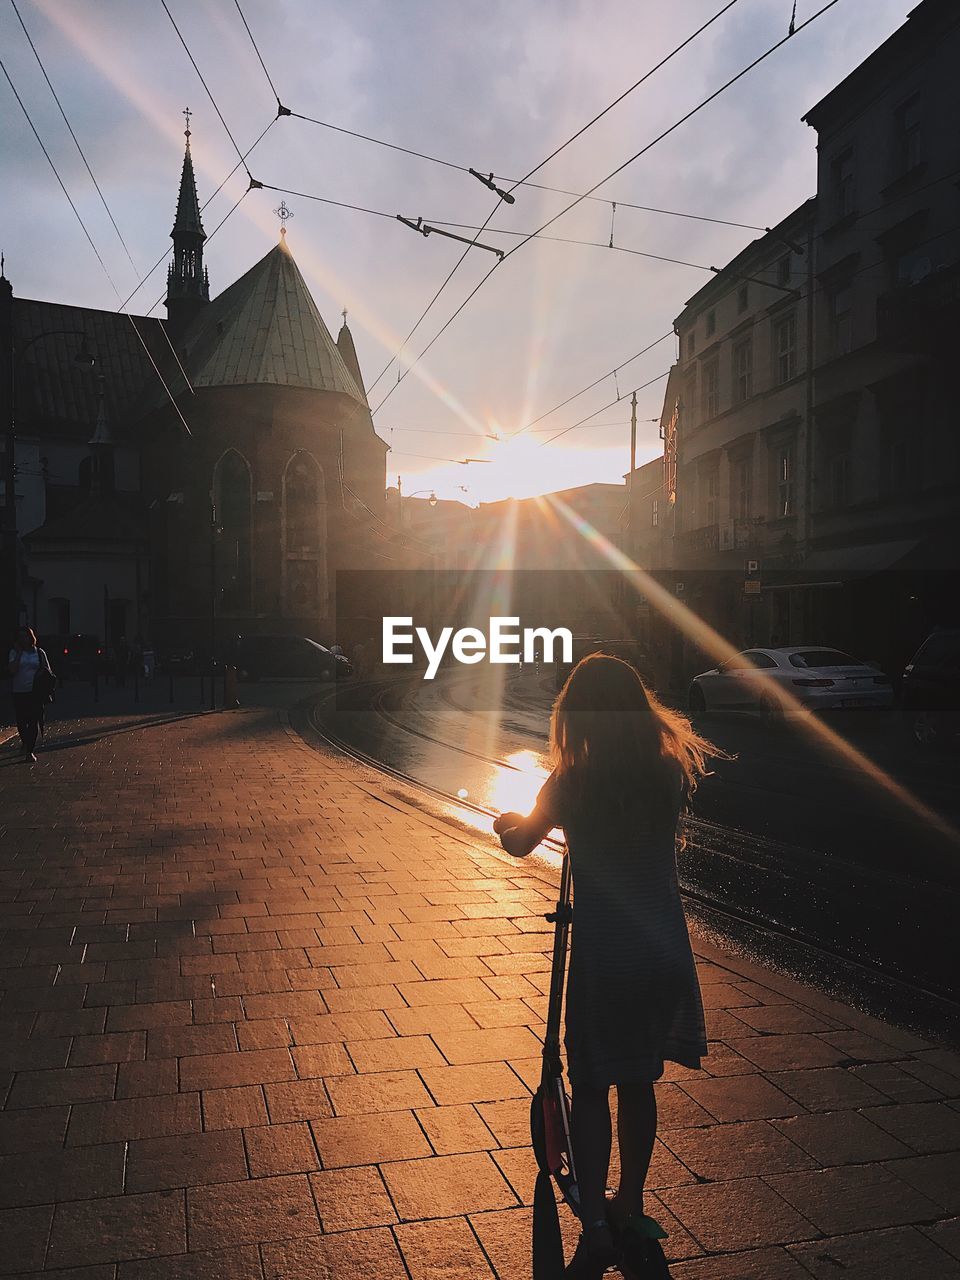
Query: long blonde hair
<point x="614" y="740"/>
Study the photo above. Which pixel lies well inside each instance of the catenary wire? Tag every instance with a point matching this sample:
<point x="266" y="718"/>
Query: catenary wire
<point x="166" y="253"/>
<point x="73" y="134"/>
<point x="93" y="246"/>
<point x="646" y="76"/>
<point x="693" y="111"/>
<point x="206" y="87"/>
<point x="258" y="53"/>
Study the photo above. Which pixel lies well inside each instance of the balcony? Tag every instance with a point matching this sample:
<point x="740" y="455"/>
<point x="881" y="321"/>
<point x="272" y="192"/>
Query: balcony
<point x="921" y="317"/>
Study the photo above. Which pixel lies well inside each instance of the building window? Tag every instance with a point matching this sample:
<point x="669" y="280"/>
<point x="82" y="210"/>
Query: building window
<point x="841" y="302"/>
<point x="783" y="270"/>
<point x="691" y="343"/>
<point x="743" y="371"/>
<point x="710" y="388"/>
<point x="742" y="494"/>
<point x="841" y="181"/>
<point x="711" y="322"/>
<point x="655" y="513"/>
<point x="785" y="348"/>
<point x="785" y="481"/>
<point x="232" y="497"/>
<point x="711" y="495"/>
<point x="839" y="480"/>
<point x="743" y="297"/>
<point x="907" y="134"/>
<point x="304" y="539"/>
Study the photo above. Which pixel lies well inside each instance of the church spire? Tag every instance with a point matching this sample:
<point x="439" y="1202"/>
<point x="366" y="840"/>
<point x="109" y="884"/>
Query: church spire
<point x="187" y="285"/>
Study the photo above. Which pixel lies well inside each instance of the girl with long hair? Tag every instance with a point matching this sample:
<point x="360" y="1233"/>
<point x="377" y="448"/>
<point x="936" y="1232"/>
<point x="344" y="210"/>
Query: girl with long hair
<point x="624" y="767"/>
<point x="26" y="661"/>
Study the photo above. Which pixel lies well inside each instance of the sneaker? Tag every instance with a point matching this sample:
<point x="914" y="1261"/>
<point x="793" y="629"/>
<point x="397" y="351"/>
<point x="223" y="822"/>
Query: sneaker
<point x="30" y="758"/>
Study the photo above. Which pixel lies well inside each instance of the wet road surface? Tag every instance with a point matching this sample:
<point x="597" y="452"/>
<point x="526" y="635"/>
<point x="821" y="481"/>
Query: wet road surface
<point x="792" y="856"/>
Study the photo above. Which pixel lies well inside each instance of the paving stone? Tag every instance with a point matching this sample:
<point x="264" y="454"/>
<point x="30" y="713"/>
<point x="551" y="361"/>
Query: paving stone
<point x="66" y="1085"/>
<point x="242" y="1108"/>
<point x="32" y="1129"/>
<point x="739" y="1098"/>
<point x="358" y="999"/>
<point x="114" y="1229"/>
<point x="890" y="1080"/>
<point x="396" y="1053"/>
<point x="370" y="1024"/>
<point x="741" y="1214"/>
<point x="251" y="1212"/>
<point x="462" y="1047"/>
<point x="46" y="1175"/>
<point x="935" y="1176"/>
<point x="855" y="1198"/>
<point x="130" y="1118"/>
<point x="924" y="1126"/>
<point x="457" y="1129"/>
<point x="788" y="1052"/>
<point x="280" y="1148"/>
<point x="736" y="1150"/>
<point x="783" y="1018"/>
<point x="443" y="1249"/>
<point x="757" y="1264"/>
<point x="840" y="1137"/>
<point x="157" y="1164"/>
<point x="508" y="1121"/>
<point x="824" y="1089"/>
<point x="351" y="1198"/>
<point x="350" y="1140"/>
<point x="184" y="1042"/>
<point x="946" y="1234"/>
<point x="445" y="1186"/>
<point x="444" y="991"/>
<point x="24" y="1234"/>
<point x="425" y="1019"/>
<point x="902" y="1252"/>
<point x="317" y="1060"/>
<point x="346" y="1255"/>
<point x="484" y="1082"/>
<point x="505" y="1236"/>
<point x="222" y="1264"/>
<point x="376" y="1092"/>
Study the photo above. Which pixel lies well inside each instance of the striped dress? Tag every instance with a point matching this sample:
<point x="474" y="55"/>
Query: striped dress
<point x="633" y="997"/>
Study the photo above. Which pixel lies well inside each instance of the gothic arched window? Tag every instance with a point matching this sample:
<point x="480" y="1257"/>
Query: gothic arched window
<point x="304" y="538"/>
<point x="232" y="497"/>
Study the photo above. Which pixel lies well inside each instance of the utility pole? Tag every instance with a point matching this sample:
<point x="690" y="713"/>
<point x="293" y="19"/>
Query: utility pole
<point x="10" y="569"/>
<point x="633" y="467"/>
<point x="213" y="602"/>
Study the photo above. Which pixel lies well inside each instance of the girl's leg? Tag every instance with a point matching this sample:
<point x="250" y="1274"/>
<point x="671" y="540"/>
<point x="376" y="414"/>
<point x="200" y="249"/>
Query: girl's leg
<point x="636" y="1131"/>
<point x="592" y="1136"/>
<point x="21" y="704"/>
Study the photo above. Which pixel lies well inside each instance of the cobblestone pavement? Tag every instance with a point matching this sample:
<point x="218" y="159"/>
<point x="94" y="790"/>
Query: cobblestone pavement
<point x="262" y="1020"/>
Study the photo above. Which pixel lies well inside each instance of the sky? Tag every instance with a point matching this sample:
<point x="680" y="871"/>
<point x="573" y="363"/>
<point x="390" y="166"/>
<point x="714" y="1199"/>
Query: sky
<point x="494" y="86"/>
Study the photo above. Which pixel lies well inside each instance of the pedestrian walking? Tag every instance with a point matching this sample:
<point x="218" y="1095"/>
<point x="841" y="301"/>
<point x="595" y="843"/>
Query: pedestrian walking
<point x="32" y="684"/>
<point x="624" y="768"/>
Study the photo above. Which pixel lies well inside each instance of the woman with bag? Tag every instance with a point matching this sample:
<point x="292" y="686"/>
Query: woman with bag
<point x="33" y="682"/>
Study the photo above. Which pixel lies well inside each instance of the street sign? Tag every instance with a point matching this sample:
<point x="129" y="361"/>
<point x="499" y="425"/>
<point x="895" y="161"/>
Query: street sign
<point x="751" y="587"/>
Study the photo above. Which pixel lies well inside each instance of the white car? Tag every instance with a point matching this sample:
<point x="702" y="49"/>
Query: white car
<point x="774" y="683"/>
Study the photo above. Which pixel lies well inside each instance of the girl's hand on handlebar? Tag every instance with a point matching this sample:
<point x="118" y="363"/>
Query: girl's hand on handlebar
<point x="506" y="821"/>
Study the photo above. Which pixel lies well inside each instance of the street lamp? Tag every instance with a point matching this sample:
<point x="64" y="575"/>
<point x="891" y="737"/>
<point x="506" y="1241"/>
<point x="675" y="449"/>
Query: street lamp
<point x="84" y="358"/>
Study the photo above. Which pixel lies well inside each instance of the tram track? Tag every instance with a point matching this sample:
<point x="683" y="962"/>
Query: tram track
<point x="736" y="882"/>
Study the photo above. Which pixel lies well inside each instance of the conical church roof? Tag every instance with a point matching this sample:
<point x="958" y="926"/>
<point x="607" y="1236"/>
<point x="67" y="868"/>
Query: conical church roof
<point x="265" y="328"/>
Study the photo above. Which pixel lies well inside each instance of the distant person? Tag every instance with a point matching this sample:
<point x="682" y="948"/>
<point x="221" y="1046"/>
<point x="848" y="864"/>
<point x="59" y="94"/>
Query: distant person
<point x="624" y="768"/>
<point x="30" y="669"/>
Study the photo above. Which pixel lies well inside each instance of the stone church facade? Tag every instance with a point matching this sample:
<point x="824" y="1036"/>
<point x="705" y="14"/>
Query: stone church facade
<point x="224" y="507"/>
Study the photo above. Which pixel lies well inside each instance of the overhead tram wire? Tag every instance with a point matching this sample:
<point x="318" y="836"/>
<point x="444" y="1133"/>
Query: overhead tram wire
<point x="206" y="87"/>
<point x="90" y="240"/>
<point x="281" y="110"/>
<point x="483" y="280"/>
<point x="166" y="253"/>
<point x="603" y="408"/>
<point x="536" y="169"/>
<point x="676" y="125"/>
<point x="96" y="184"/>
<point x="73" y="135"/>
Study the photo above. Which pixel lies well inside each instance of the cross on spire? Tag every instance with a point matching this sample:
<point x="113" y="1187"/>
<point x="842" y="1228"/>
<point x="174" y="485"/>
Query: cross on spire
<point x="344" y="314"/>
<point x="187" y="113"/>
<point x="283" y="213"/>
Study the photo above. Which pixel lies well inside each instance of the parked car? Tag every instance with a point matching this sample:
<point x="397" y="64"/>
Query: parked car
<point x="74" y="657"/>
<point x="297" y="657"/>
<point x="930" y="693"/>
<point x="817" y="678"/>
